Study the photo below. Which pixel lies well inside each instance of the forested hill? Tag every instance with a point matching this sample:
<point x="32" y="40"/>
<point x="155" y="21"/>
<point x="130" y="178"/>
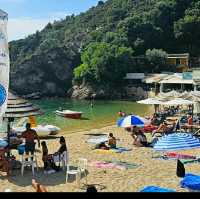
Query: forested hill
<point x="102" y="42"/>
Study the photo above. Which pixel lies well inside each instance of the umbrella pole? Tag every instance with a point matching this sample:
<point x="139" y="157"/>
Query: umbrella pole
<point x="8" y="135"/>
<point x="192" y="116"/>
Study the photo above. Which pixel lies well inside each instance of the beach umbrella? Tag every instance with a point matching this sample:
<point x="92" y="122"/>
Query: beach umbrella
<point x="19" y="108"/>
<point x="132" y="120"/>
<point x="177" y="141"/>
<point x="178" y="101"/>
<point x="151" y="101"/>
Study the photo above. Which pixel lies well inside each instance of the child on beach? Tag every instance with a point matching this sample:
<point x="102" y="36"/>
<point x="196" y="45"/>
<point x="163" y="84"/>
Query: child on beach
<point x="49" y="165"/>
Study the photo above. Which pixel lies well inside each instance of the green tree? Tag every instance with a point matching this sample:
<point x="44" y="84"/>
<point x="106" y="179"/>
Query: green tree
<point x="104" y="63"/>
<point x="157" y="59"/>
<point x="187" y="30"/>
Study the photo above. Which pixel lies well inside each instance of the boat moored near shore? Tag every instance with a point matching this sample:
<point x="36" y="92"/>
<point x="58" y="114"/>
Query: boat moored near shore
<point x="69" y="114"/>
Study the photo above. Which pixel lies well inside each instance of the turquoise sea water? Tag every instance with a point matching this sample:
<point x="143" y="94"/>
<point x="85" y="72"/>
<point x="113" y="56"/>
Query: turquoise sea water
<point x="103" y="113"/>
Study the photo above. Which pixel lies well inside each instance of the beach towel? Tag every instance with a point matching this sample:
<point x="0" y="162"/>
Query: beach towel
<point x="121" y="149"/>
<point x="156" y="189"/>
<point x="112" y="151"/>
<point x="97" y="140"/>
<point x="179" y="156"/>
<point x="186" y="161"/>
<point x="191" y="181"/>
<point x="112" y="165"/>
<point x="125" y="165"/>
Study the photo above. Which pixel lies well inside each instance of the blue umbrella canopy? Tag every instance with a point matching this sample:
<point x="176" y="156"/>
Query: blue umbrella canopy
<point x="132" y="120"/>
<point x="177" y="141"/>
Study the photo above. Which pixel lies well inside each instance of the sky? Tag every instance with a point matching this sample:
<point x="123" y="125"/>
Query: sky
<point x="27" y="16"/>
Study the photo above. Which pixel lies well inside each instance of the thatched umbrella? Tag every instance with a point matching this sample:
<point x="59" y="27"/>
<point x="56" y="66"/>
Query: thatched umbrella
<point x="19" y="108"/>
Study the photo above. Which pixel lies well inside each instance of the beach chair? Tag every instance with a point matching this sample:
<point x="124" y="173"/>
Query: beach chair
<point x="62" y="158"/>
<point x="75" y="172"/>
<point x="28" y="160"/>
<point x="82" y="165"/>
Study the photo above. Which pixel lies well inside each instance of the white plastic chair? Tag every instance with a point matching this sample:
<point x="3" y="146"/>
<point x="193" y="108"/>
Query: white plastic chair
<point x="63" y="158"/>
<point x="82" y="165"/>
<point x="75" y="172"/>
<point x="32" y="161"/>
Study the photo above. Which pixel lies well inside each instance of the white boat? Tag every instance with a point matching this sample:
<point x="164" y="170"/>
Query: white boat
<point x="54" y="129"/>
<point x="69" y="114"/>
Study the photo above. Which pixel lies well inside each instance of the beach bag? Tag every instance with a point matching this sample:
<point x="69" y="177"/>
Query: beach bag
<point x="180" y="170"/>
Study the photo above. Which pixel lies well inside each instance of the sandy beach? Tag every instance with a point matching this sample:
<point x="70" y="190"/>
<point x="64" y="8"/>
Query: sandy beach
<point x="150" y="171"/>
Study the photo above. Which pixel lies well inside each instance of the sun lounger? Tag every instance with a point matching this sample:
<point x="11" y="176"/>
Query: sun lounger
<point x="191" y="182"/>
<point x="156" y="189"/>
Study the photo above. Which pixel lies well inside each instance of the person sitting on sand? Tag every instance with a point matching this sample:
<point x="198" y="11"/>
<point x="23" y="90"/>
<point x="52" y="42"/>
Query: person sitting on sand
<point x="163" y="128"/>
<point x="112" y="141"/>
<point x="140" y="140"/>
<point x="134" y="130"/>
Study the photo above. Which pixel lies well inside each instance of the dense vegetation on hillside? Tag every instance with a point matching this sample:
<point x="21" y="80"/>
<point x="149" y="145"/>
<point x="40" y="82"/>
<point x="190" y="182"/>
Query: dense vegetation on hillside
<point x="99" y="45"/>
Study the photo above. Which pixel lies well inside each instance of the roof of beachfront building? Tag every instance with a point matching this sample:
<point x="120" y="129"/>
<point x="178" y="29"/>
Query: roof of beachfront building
<point x="154" y="78"/>
<point x="176" y="78"/>
<point x="182" y="55"/>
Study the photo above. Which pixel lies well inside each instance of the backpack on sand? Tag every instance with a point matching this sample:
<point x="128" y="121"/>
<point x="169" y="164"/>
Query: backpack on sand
<point x="180" y="170"/>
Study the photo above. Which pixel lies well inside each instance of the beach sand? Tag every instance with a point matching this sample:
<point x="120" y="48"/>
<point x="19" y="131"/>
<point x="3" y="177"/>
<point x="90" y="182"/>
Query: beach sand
<point x="151" y="171"/>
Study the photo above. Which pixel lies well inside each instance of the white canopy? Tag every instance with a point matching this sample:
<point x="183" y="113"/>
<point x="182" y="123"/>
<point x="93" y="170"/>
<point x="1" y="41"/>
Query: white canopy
<point x="178" y="101"/>
<point x="150" y="101"/>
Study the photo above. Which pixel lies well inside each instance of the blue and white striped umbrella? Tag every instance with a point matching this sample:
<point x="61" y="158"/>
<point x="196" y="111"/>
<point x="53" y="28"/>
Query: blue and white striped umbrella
<point x="132" y="120"/>
<point x="177" y="141"/>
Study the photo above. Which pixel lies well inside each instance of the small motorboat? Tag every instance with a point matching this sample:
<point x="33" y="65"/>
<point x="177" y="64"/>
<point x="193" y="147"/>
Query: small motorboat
<point x="69" y="114"/>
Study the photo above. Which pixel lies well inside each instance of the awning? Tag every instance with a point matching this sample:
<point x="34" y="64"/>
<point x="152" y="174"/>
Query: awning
<point x="154" y="78"/>
<point x="175" y="79"/>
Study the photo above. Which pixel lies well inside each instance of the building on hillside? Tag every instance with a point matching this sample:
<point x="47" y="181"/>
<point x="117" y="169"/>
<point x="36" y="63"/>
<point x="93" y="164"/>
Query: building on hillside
<point x="180" y="61"/>
<point x="135" y="86"/>
<point x="152" y="84"/>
